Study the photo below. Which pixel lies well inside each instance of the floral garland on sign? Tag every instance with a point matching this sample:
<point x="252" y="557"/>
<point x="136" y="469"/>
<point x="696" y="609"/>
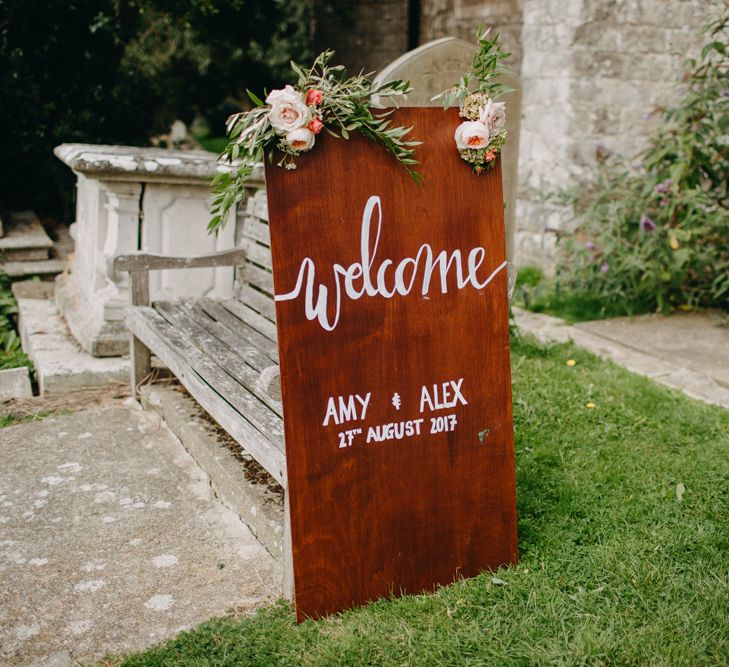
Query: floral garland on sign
<point x="481" y="136"/>
<point x="291" y="118"/>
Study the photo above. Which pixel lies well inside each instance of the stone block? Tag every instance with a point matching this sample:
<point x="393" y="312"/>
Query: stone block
<point x="60" y="365"/>
<point x="15" y="383"/>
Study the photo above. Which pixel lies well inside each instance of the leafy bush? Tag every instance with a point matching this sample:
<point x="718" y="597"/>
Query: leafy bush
<point x="654" y="234"/>
<point x="119" y="71"/>
<point x="11" y="354"/>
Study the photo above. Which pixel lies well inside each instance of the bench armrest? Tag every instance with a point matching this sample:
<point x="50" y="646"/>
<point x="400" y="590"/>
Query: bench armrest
<point x="143" y="261"/>
<point x="140" y="264"/>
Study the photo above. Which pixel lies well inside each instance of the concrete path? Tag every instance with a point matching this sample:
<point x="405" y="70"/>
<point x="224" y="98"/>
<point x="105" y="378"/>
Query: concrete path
<point x="685" y="351"/>
<point x="111" y="540"/>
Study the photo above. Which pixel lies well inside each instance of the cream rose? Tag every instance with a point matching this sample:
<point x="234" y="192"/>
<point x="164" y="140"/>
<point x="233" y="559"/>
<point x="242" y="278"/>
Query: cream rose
<point x="493" y="115"/>
<point x="301" y="139"/>
<point x="472" y="134"/>
<point x="288" y="111"/>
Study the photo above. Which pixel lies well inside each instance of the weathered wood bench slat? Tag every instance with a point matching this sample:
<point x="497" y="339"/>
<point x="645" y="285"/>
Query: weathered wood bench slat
<point x="257" y="229"/>
<point x="157" y="334"/>
<point x="259" y="277"/>
<point x="257" y="253"/>
<point x="226" y="358"/>
<point x="259" y="301"/>
<point x="252" y="318"/>
<point x="144" y="261"/>
<point x="253" y="356"/>
<point x="257" y="205"/>
<point x="209" y="369"/>
<point x="234" y="324"/>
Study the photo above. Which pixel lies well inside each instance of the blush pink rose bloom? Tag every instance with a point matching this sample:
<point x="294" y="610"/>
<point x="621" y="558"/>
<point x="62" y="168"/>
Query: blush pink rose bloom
<point x="493" y="115"/>
<point x="301" y="139"/>
<point x="288" y="111"/>
<point x="471" y="134"/>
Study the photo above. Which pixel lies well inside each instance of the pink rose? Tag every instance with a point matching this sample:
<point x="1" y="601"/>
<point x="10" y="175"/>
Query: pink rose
<point x="300" y="140"/>
<point x="471" y="134"/>
<point x="288" y="111"/>
<point x="315" y="125"/>
<point x="314" y="97"/>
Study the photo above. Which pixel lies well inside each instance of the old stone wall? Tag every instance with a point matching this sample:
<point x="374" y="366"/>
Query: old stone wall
<point x="366" y="35"/>
<point x="461" y="18"/>
<point x="592" y="72"/>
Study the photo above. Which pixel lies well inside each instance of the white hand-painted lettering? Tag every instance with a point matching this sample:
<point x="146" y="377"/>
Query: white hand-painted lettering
<point x="360" y="278"/>
<point x="346" y="409"/>
<point x="447" y="395"/>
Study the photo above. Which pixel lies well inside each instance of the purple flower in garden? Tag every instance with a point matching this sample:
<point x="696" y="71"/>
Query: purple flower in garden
<point x="725" y="92"/>
<point x="590" y="245"/>
<point x="647" y="225"/>
<point x="665" y="186"/>
<point x="604" y="267"/>
<point x="664" y="202"/>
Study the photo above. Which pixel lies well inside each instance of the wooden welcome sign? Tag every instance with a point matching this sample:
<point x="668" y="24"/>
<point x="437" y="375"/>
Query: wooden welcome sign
<point x="391" y="306"/>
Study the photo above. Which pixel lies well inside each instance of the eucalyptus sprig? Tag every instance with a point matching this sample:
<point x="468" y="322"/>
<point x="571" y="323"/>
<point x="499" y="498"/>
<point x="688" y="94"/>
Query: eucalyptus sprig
<point x="323" y="98"/>
<point x="486" y="68"/>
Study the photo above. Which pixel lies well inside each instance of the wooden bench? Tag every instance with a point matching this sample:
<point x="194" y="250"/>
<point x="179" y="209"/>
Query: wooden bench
<point x="223" y="351"/>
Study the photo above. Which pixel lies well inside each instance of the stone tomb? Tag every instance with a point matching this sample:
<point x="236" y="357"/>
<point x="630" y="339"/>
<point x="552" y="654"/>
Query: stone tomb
<point x="131" y="199"/>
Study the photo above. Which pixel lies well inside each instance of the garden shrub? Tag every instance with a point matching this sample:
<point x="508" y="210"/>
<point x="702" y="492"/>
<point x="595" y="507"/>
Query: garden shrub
<point x="11" y="354"/>
<point x="120" y="71"/>
<point x="654" y="233"/>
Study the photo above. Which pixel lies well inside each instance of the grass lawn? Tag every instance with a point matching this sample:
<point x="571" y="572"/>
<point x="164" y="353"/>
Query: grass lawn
<point x="624" y="546"/>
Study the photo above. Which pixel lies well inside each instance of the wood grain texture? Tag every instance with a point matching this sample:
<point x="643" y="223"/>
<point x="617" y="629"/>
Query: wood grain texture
<point x="143" y="261"/>
<point x="400" y="515"/>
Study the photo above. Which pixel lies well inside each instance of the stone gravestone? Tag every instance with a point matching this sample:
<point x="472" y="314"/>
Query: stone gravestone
<point x="435" y="67"/>
<point x="393" y="335"/>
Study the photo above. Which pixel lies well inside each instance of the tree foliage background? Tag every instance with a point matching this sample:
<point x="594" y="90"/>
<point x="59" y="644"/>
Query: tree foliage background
<point x="120" y="71"/>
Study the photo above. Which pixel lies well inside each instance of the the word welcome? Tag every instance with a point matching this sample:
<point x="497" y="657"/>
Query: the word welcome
<point x="359" y="279"/>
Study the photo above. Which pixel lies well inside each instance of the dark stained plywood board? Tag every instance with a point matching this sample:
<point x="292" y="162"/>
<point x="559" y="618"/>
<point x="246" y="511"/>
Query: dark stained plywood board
<point x="396" y="515"/>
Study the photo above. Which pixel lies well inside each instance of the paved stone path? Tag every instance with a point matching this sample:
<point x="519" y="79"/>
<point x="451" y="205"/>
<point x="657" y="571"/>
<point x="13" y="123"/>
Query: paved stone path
<point x="111" y="540"/>
<point x="685" y="351"/>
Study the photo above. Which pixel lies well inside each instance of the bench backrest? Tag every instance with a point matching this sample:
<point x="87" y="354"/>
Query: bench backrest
<point x="256" y="277"/>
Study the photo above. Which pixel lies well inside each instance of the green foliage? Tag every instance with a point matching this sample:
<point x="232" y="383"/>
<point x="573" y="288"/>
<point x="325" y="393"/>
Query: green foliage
<point x="11" y="353"/>
<point x="613" y="568"/>
<point x="540" y="294"/>
<point x="120" y="71"/>
<point x="347" y="106"/>
<point x="655" y="233"/>
<point x="487" y="68"/>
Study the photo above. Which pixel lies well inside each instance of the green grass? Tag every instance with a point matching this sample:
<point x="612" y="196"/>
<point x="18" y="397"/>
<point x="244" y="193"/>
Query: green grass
<point x="539" y="294"/>
<point x="617" y="565"/>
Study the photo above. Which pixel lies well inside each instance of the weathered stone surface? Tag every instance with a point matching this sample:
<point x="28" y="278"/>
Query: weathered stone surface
<point x="60" y="365"/>
<point x="24" y="238"/>
<point x="111" y="540"/>
<point x="100" y="334"/>
<point x="15" y="383"/>
<point x="236" y="478"/>
<point x="365" y="35"/>
<point x="134" y="163"/>
<point x="697" y="341"/>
